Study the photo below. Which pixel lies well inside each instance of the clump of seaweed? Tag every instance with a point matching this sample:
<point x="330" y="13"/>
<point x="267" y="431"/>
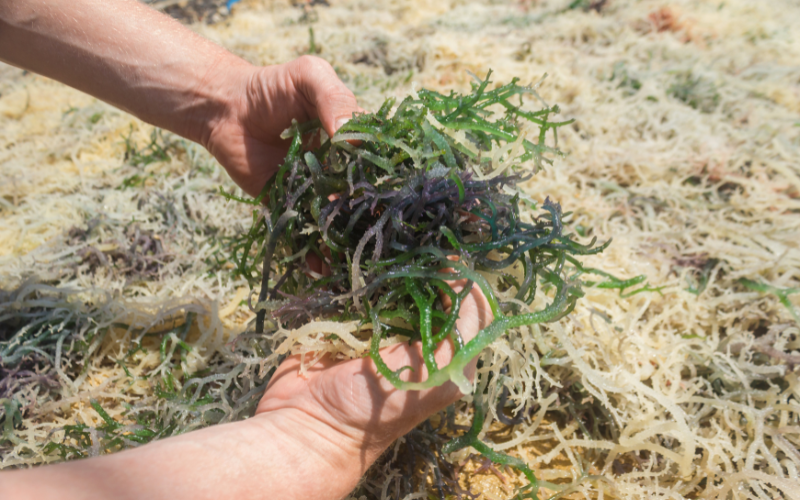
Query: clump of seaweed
<point x="142" y="255"/>
<point x="694" y="92"/>
<point x="398" y="205"/>
<point x="408" y="207"/>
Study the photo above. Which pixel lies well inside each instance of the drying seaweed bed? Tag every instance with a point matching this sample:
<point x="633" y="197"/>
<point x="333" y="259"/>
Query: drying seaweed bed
<point x="193" y="11"/>
<point x="123" y="310"/>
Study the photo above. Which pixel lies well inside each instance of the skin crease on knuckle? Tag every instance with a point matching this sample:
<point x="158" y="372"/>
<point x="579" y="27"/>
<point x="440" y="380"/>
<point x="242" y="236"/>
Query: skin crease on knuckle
<point x="318" y="82"/>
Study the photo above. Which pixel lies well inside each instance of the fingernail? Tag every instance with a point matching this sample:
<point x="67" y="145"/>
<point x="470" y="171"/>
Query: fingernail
<point x="340" y="122"/>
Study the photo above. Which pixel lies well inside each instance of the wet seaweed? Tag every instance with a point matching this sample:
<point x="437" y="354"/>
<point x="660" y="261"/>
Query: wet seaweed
<point x="408" y="206"/>
<point x="470" y="438"/>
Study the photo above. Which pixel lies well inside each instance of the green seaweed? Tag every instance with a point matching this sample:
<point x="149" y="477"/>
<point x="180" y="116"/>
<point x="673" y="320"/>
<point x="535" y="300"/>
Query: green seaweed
<point x="614" y="283"/>
<point x="157" y="149"/>
<point x="470" y="438"/>
<point x="695" y="92"/>
<point x="781" y="293"/>
<point x="383" y="216"/>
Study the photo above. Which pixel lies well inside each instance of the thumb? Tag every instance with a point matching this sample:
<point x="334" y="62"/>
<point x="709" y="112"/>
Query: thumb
<point x="326" y="96"/>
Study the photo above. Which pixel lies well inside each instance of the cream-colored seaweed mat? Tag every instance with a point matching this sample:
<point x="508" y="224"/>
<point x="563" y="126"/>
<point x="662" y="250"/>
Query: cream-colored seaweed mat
<point x="685" y="150"/>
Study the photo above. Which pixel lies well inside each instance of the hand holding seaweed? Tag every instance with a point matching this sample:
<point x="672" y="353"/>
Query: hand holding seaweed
<point x="352" y="404"/>
<point x="244" y="133"/>
<point x="428" y="194"/>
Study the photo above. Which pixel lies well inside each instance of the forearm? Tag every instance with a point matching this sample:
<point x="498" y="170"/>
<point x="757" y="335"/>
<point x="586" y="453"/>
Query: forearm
<point x="269" y="456"/>
<point x="124" y="53"/>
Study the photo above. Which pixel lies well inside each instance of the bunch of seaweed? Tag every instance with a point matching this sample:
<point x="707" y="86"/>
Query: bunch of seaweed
<point x="399" y="204"/>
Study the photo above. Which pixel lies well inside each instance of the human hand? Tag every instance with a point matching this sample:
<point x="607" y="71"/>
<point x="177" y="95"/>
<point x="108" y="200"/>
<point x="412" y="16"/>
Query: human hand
<point x="347" y="406"/>
<point x="243" y="130"/>
<point x="149" y="65"/>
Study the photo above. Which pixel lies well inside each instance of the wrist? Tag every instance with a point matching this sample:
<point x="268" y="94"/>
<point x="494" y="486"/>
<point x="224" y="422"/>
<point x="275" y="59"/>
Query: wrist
<point x="213" y="97"/>
<point x="325" y="462"/>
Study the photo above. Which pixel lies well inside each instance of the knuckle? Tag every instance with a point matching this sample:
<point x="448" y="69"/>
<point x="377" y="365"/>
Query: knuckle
<point x="341" y="94"/>
<point x="314" y="64"/>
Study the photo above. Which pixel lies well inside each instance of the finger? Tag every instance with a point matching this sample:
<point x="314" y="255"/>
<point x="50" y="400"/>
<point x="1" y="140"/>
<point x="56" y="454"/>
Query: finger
<point x="319" y="264"/>
<point x="325" y="94"/>
<point x="475" y="313"/>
